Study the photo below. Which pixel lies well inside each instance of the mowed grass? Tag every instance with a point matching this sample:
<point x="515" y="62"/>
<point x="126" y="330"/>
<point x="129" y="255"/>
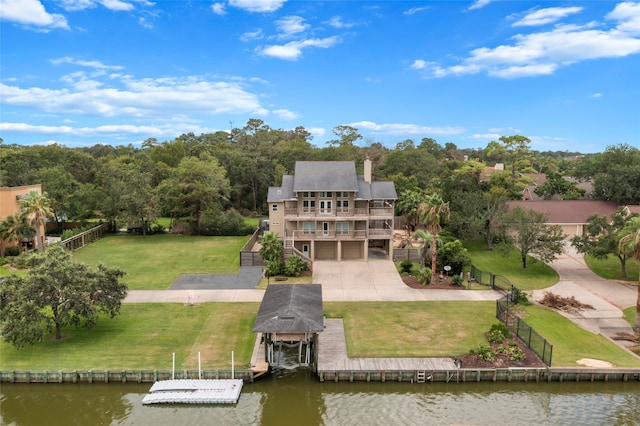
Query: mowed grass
<point x="412" y="329"/>
<point x="154" y="262"/>
<point x="610" y="268"/>
<point x="572" y="343"/>
<point x="535" y="276"/>
<point x="144" y="336"/>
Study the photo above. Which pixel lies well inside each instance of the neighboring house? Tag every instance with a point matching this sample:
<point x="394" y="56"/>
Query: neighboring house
<point x="571" y="215"/>
<point x="328" y="212"/>
<point x="9" y="202"/>
<point x="540" y="178"/>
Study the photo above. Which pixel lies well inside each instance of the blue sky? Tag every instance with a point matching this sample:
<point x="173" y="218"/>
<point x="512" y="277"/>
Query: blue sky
<point x="81" y="72"/>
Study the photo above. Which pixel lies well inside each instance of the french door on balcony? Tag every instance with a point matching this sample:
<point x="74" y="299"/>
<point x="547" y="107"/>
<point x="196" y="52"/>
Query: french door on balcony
<point x="325" y="206"/>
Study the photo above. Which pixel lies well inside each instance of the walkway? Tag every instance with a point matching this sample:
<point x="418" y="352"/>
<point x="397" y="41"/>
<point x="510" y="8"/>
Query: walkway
<point x="607" y="297"/>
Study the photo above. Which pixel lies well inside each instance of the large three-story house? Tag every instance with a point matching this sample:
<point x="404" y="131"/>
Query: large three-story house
<point x="328" y="212"/>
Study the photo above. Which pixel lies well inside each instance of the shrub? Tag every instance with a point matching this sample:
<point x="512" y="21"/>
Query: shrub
<point x="457" y="280"/>
<point x="229" y="223"/>
<point x="512" y="351"/>
<point x="294" y="265"/>
<point x="406" y="266"/>
<point x="272" y="267"/>
<point x="12" y="251"/>
<point x="484" y="352"/>
<point x="424" y="276"/>
<point x="455" y="255"/>
<point x="498" y="332"/>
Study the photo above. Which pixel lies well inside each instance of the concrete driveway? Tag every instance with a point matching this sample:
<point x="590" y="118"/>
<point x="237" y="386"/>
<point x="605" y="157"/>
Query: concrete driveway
<point x="378" y="280"/>
<point x="607" y="297"/>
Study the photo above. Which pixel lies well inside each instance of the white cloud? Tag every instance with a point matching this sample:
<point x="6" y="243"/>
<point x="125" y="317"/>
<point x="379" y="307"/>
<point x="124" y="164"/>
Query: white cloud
<point x="252" y="35"/>
<point x="317" y="131"/>
<point x="31" y="13"/>
<point x="546" y="16"/>
<point x="259" y="6"/>
<point x="337" y="22"/>
<point x="628" y="16"/>
<point x="218" y="9"/>
<point x="290" y="25"/>
<point x="115" y="5"/>
<point x="293" y="50"/>
<point x="418" y="64"/>
<point x="595" y="95"/>
<point x="543" y="53"/>
<point x="486" y="136"/>
<point x="89" y="64"/>
<point x="285" y="114"/>
<point x="478" y="4"/>
<point x="126" y="96"/>
<point x="415" y="10"/>
<point x="405" y="129"/>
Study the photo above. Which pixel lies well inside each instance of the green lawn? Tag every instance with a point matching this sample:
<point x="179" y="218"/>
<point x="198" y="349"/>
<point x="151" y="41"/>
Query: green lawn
<point x="144" y="336"/>
<point x="610" y="269"/>
<point x="535" y="276"/>
<point x="572" y="343"/>
<point x="154" y="262"/>
<point x="630" y="315"/>
<point x="412" y="329"/>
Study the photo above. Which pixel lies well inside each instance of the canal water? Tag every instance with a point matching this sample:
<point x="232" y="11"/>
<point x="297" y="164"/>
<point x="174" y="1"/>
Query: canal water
<point x="297" y="397"/>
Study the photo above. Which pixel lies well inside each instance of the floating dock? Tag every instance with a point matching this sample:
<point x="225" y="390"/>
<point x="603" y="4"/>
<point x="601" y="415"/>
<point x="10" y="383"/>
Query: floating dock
<point x="223" y="391"/>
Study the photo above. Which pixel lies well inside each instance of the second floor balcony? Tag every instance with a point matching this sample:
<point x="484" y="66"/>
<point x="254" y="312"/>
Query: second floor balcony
<point x="315" y="212"/>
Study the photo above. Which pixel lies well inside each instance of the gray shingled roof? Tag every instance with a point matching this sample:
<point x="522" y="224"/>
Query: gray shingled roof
<point x="325" y="176"/>
<point x="330" y="176"/>
<point x="281" y="193"/>
<point x="290" y="308"/>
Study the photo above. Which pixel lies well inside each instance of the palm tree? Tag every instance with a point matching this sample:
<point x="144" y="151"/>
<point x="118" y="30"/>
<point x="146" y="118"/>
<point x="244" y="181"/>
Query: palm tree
<point x="15" y="228"/>
<point x="630" y="244"/>
<point x="431" y="214"/>
<point x="38" y="208"/>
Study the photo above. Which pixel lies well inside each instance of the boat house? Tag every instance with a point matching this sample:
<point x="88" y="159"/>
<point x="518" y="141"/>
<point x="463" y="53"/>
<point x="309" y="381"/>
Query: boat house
<point x="290" y="316"/>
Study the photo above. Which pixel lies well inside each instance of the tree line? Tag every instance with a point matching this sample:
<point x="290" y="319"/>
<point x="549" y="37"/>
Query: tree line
<point x="205" y="181"/>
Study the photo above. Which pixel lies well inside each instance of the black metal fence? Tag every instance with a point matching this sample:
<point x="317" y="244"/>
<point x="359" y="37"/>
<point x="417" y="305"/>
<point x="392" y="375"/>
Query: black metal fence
<point x="524" y="331"/>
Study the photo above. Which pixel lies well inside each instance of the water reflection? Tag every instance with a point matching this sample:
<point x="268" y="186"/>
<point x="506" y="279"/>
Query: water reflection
<point x="296" y="397"/>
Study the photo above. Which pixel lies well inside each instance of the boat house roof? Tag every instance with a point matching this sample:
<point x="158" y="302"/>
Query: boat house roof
<point x="290" y="308"/>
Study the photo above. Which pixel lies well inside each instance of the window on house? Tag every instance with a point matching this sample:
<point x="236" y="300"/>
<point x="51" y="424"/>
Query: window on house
<point x="308" y="227"/>
<point x="342" y="227"/>
<point x="274" y="207"/>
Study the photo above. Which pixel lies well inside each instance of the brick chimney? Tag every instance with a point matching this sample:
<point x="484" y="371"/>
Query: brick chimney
<point x="367" y="170"/>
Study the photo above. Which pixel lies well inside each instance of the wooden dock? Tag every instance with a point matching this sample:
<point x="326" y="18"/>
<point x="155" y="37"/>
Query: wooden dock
<point x="334" y="362"/>
<point x="225" y="391"/>
<point x="258" y="365"/>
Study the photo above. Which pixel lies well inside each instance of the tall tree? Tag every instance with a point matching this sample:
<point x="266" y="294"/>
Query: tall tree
<point x="630" y="243"/>
<point x="139" y="199"/>
<point x="530" y="235"/>
<point x="615" y="174"/>
<point x="198" y="185"/>
<point x="602" y="238"/>
<point x="557" y="185"/>
<point x="432" y="214"/>
<point x="407" y="206"/>
<point x="37" y="207"/>
<point x="57" y="292"/>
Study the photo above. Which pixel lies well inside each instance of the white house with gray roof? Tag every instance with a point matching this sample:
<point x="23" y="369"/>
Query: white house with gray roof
<point x="328" y="212"/>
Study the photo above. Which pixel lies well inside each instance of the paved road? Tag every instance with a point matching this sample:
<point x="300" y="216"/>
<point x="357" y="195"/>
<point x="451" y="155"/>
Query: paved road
<point x="607" y="297"/>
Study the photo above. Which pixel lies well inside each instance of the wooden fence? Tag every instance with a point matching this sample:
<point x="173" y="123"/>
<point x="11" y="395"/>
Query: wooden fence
<point x="87" y="237"/>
